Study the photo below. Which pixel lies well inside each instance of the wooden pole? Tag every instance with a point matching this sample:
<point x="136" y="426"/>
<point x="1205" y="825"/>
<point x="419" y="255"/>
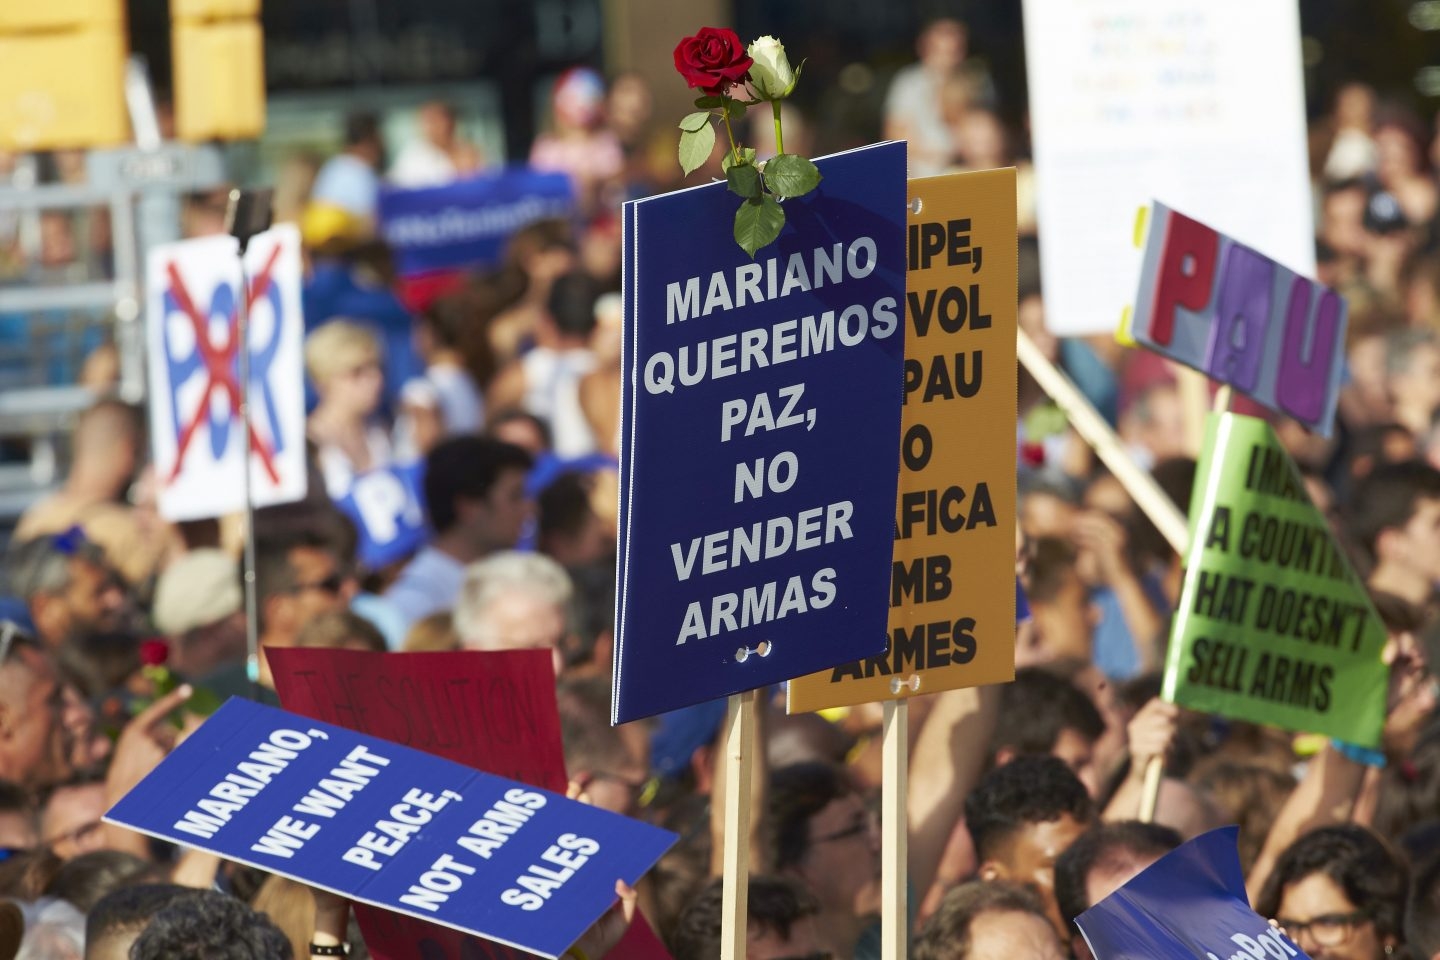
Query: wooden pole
<point x="739" y="762"/>
<point x="894" y="837"/>
<point x="1091" y="426"/>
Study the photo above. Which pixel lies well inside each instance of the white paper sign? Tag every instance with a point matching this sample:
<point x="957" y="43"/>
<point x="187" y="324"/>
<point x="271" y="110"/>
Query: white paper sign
<point x="196" y="432"/>
<point x="1198" y="105"/>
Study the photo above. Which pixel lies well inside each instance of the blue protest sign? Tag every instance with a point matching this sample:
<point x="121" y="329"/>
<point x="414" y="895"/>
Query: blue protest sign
<point x="387" y="507"/>
<point x="392" y="827"/>
<point x="761" y="426"/>
<point x="466" y="223"/>
<point x="1190" y="903"/>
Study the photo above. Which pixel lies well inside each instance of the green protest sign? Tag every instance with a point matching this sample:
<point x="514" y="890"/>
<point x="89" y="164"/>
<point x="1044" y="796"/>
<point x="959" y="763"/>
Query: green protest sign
<point x="1273" y="625"/>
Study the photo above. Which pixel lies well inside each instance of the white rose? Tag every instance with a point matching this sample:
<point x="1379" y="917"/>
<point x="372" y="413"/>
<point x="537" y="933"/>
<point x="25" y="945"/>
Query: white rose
<point x="771" y="76"/>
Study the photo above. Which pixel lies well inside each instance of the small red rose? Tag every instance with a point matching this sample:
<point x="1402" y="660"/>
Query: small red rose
<point x="713" y="60"/>
<point x="154" y="653"/>
<point x="1032" y="454"/>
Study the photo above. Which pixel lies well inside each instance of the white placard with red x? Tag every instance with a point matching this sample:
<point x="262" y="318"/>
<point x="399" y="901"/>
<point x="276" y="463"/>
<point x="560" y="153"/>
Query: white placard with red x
<point x="191" y="325"/>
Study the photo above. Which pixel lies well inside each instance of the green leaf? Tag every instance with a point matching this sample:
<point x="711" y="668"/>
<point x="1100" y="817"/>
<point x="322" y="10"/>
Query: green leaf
<point x="694" y="121"/>
<point x="744" y="180"/>
<point x="757" y="223"/>
<point x="709" y="102"/>
<point x="202" y="702"/>
<point x="695" y="147"/>
<point x="735" y="108"/>
<point x="788" y="175"/>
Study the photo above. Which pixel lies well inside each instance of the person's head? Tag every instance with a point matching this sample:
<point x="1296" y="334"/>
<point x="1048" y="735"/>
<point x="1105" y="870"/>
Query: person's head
<point x="1339" y="892"/>
<point x="987" y="920"/>
<point x="1342" y="217"/>
<point x="570" y="530"/>
<point x="514" y="601"/>
<point x="342" y="360"/>
<point x="597" y="757"/>
<point x="45" y="725"/>
<point x="19" y="829"/>
<point x="1102" y="860"/>
<point x="1154" y="422"/>
<point x="1399" y="146"/>
<point x="1250" y="796"/>
<point x="199" y="605"/>
<point x="341" y="630"/>
<point x="118" y="917"/>
<point x="363" y="140"/>
<point x="571" y="307"/>
<point x="436" y="120"/>
<point x="475" y="491"/>
<point x="297" y="578"/>
<point x="1021" y="817"/>
<point x="1412" y="368"/>
<point x="108" y="446"/>
<point x="825" y="836"/>
<point x="1422" y="913"/>
<point x="522" y="429"/>
<point x="1396" y="517"/>
<point x="69" y="587"/>
<point x="432" y="634"/>
<point x="1047" y="714"/>
<point x="779" y="922"/>
<point x="85" y="880"/>
<point x="1059" y="603"/>
<point x="942" y="45"/>
<point x="544" y="250"/>
<point x="206" y="925"/>
<point x="70" y="816"/>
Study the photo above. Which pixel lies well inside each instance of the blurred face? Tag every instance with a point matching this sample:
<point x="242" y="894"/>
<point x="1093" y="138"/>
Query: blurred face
<point x="70" y="822"/>
<point x="357" y="387"/>
<point x="1343" y="220"/>
<point x="45" y="726"/>
<point x="842" y="866"/>
<point x="1078" y="753"/>
<point x="320" y="587"/>
<point x="1014" y="935"/>
<point x="520" y="620"/>
<point x="1066" y="624"/>
<point x="1109" y="876"/>
<point x="942" y="46"/>
<point x="1030" y="857"/>
<point x="1396" y="157"/>
<point x="1324" y="923"/>
<point x="499" y="519"/>
<point x="1367" y="368"/>
<point x="94" y="601"/>
<point x="1416" y="546"/>
<point x="1419" y="385"/>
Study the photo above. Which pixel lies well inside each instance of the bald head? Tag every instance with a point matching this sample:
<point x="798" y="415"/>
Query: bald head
<point x="107" y="442"/>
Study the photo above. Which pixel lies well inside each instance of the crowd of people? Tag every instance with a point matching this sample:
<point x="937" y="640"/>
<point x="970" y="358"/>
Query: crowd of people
<point x="501" y="387"/>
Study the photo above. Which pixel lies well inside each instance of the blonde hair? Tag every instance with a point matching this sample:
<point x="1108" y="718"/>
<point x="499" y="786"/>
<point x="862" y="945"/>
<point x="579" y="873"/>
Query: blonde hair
<point x="434" y="633"/>
<point x="338" y="346"/>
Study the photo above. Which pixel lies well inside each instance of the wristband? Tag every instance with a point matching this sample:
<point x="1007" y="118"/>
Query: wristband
<point x="329" y="949"/>
<point x="1361" y="755"/>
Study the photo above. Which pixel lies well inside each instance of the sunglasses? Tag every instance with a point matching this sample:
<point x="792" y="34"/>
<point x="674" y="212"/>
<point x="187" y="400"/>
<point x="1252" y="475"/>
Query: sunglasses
<point x="332" y="584"/>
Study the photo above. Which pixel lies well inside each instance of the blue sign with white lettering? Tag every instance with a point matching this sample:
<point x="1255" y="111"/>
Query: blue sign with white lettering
<point x="393" y="827"/>
<point x="466" y="223"/>
<point x="760" y="438"/>
<point x="388" y="509"/>
<point x="1190" y="903"/>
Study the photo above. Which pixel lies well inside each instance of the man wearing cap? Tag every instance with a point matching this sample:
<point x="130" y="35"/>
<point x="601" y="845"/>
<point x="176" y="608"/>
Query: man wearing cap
<point x="199" y="607"/>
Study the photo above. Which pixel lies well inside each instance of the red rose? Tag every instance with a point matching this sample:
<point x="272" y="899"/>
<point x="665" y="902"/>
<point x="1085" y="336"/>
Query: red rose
<point x="712" y="60"/>
<point x="154" y="653"/>
<point x="1032" y="454"/>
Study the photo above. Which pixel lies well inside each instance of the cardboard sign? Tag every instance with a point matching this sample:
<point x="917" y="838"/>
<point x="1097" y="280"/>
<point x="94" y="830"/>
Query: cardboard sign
<point x="1200" y="103"/>
<point x="760" y="436"/>
<point x="392" y="827"/>
<point x="494" y="710"/>
<point x="1273" y="625"/>
<point x="387" y="507"/>
<point x="1189" y="903"/>
<point x="1241" y="318"/>
<point x="466" y="223"/>
<point x="196" y="433"/>
<point x="491" y="710"/>
<point x="952" y="613"/>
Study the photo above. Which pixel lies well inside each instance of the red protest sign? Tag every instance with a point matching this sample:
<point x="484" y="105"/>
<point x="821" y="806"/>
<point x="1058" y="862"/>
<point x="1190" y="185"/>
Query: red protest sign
<point x="494" y="711"/>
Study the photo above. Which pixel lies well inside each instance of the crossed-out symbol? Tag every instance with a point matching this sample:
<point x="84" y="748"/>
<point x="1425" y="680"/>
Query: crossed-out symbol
<point x="220" y="364"/>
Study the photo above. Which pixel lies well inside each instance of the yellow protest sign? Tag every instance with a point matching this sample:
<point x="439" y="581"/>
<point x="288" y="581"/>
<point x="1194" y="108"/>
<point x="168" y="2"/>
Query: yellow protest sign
<point x="952" y="588"/>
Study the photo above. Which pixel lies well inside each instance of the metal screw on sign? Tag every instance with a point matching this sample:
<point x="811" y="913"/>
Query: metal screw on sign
<point x="762" y="649"/>
<point x="913" y="684"/>
<point x="916" y="206"/>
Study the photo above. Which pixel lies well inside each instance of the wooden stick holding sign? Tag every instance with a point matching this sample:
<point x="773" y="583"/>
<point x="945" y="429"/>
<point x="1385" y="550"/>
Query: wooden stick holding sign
<point x="894" y="848"/>
<point x="1155" y="768"/>
<point x="739" y="769"/>
<point x="1091" y="426"/>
